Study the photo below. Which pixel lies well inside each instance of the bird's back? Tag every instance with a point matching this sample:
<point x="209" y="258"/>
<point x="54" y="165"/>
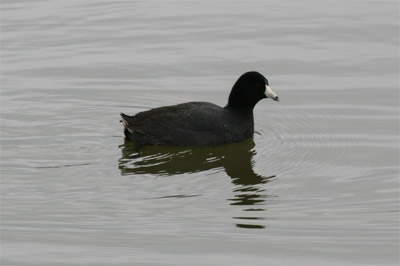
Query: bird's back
<point x="187" y="124"/>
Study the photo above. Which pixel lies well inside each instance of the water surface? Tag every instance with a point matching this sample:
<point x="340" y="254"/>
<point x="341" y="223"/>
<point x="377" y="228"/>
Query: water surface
<point x="317" y="185"/>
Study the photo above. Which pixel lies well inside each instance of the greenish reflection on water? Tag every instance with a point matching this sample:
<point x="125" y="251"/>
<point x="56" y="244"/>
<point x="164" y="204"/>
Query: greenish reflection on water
<point x="235" y="159"/>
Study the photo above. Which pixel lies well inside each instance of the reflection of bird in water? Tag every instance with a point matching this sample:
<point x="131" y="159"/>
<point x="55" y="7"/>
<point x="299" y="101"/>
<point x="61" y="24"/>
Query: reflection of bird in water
<point x="235" y="159"/>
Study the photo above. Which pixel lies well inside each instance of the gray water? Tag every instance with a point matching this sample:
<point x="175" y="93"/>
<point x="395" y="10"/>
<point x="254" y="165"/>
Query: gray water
<point x="317" y="185"/>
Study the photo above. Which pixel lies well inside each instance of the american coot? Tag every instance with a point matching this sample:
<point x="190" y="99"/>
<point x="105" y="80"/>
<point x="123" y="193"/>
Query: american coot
<point x="202" y="123"/>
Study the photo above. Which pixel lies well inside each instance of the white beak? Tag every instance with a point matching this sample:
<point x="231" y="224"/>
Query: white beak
<point x="271" y="94"/>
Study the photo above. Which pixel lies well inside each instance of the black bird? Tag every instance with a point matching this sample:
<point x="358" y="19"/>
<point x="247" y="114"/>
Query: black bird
<point x="202" y="123"/>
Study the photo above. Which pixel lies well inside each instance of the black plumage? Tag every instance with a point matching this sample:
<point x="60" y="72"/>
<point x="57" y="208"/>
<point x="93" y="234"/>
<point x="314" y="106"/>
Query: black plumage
<point x="201" y="123"/>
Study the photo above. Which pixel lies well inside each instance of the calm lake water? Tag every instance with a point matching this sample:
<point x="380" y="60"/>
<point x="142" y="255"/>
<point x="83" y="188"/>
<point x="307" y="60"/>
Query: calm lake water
<point x="317" y="185"/>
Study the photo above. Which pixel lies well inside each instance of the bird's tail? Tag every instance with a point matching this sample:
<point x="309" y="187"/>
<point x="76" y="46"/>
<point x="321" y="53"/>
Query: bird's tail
<point x="125" y="120"/>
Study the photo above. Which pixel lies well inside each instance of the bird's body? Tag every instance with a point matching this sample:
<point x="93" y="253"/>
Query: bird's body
<point x="188" y="124"/>
<point x="200" y="123"/>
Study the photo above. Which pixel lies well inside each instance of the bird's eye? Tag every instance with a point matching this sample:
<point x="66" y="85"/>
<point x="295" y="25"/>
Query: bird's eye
<point x="258" y="85"/>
